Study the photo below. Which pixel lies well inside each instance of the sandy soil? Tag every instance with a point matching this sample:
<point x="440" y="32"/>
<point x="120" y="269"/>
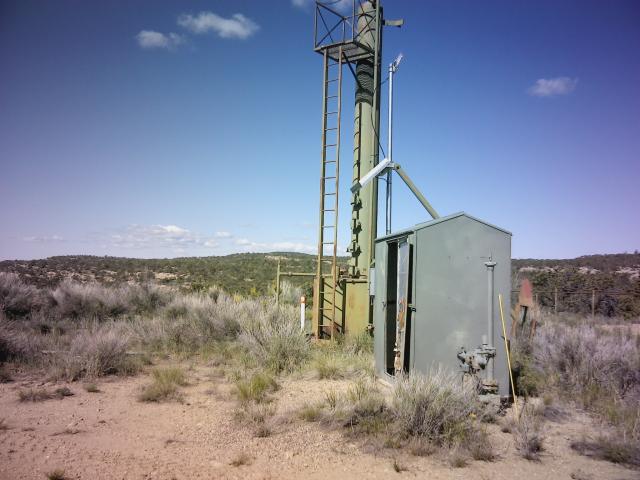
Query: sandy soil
<point x="117" y="437"/>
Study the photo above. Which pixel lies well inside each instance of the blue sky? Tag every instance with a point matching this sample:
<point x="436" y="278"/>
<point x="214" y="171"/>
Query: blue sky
<point x="176" y="128"/>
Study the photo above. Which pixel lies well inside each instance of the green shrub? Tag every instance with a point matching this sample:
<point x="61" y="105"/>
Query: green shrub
<point x="164" y="385"/>
<point x="311" y="412"/>
<point x="256" y="388"/>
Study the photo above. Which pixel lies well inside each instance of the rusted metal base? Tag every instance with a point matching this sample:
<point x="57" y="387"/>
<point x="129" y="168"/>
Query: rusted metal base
<point x="352" y="308"/>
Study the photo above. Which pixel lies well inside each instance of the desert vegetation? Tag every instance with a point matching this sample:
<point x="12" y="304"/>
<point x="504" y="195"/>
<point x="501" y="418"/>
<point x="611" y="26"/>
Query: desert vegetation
<point x="81" y="332"/>
<point x="615" y="278"/>
<point x="587" y="363"/>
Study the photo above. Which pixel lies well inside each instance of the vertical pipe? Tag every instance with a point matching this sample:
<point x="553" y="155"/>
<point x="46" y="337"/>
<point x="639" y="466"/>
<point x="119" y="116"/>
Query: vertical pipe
<point x="302" y="311"/>
<point x="389" y="150"/>
<point x="555" y="300"/>
<point x="365" y="148"/>
<point x="490" y="267"/>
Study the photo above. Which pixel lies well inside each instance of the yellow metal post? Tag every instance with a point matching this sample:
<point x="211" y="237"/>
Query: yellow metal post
<point x="506" y="349"/>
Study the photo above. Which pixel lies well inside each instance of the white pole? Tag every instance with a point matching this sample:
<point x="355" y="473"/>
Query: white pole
<point x="302" y="312"/>
<point x="390" y="149"/>
<point x="393" y="67"/>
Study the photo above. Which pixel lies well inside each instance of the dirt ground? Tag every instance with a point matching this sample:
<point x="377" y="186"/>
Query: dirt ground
<point x="110" y="435"/>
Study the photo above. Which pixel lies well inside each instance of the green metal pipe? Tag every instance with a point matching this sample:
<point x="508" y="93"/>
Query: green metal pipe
<point x="425" y="203"/>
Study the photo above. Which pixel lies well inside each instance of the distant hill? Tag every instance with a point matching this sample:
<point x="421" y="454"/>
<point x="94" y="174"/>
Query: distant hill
<point x="612" y="282"/>
<point x="243" y="273"/>
<point x="615" y="278"/>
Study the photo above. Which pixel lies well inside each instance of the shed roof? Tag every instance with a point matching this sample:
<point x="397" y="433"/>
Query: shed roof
<point x="437" y="221"/>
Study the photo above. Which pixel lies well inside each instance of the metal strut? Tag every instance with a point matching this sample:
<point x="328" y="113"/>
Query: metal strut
<point x="329" y="189"/>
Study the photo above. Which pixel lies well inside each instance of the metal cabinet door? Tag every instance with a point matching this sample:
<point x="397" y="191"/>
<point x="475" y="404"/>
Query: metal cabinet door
<point x="404" y="252"/>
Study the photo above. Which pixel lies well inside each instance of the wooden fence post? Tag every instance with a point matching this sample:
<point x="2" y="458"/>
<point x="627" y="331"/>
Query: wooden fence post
<point x="593" y="303"/>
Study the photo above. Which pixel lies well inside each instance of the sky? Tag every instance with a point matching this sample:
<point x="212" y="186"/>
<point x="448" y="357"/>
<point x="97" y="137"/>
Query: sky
<point x="192" y="128"/>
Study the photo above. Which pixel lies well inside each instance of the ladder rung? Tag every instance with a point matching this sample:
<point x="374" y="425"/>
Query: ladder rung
<point x="332" y="96"/>
<point x="331" y="113"/>
<point x="331" y="145"/>
<point x="332" y="128"/>
<point x="328" y="178"/>
<point x="330" y="193"/>
<point x="329" y="161"/>
<point x="327" y="243"/>
<point x="329" y="226"/>
<point x="332" y="80"/>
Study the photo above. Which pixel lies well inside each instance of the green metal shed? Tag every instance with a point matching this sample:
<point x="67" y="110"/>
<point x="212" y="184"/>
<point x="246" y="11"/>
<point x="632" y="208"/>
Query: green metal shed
<point x="435" y="302"/>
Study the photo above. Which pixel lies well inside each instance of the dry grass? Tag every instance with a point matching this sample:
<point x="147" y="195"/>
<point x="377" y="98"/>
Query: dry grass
<point x="61" y="392"/>
<point x="42" y="394"/>
<point x="256" y="388"/>
<point x="311" y="412"/>
<point x="34" y="395"/>
<point x="57" y="474"/>
<point x="274" y="338"/>
<point x="91" y="388"/>
<point x="419" y="447"/>
<point x="240" y="459"/>
<point x="457" y="457"/>
<point x="5" y="375"/>
<point x="67" y="431"/>
<point x="480" y="446"/>
<point x="437" y="407"/>
<point x="610" y="448"/>
<point x="18" y="299"/>
<point x="398" y="467"/>
<point x="328" y="367"/>
<point x="164" y="385"/>
<point x="527" y="433"/>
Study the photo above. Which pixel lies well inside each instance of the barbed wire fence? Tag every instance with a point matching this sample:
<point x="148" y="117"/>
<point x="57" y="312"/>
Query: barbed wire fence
<point x="605" y="302"/>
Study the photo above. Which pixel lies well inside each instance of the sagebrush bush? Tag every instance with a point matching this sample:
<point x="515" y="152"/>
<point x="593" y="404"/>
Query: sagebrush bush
<point x="100" y="350"/>
<point x="436" y="406"/>
<point x="583" y="357"/>
<point x="598" y="369"/>
<point x="93" y="300"/>
<point x="274" y="337"/>
<point x="196" y="320"/>
<point x="17" y="299"/>
<point x="19" y="343"/>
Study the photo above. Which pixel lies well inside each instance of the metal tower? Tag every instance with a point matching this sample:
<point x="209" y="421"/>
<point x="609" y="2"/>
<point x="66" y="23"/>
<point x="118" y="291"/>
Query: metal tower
<point x="341" y="298"/>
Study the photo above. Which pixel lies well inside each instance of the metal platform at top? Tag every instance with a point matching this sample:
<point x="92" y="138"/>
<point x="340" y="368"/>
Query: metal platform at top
<point x="337" y="33"/>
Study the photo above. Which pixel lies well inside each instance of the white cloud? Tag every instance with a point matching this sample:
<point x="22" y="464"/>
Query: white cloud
<point x="222" y="235"/>
<point x="549" y="87"/>
<point x="237" y="26"/>
<point x="160" y="236"/>
<point x="339" y="5"/>
<point x="150" y="39"/>
<point x="44" y="239"/>
<point x="250" y="246"/>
